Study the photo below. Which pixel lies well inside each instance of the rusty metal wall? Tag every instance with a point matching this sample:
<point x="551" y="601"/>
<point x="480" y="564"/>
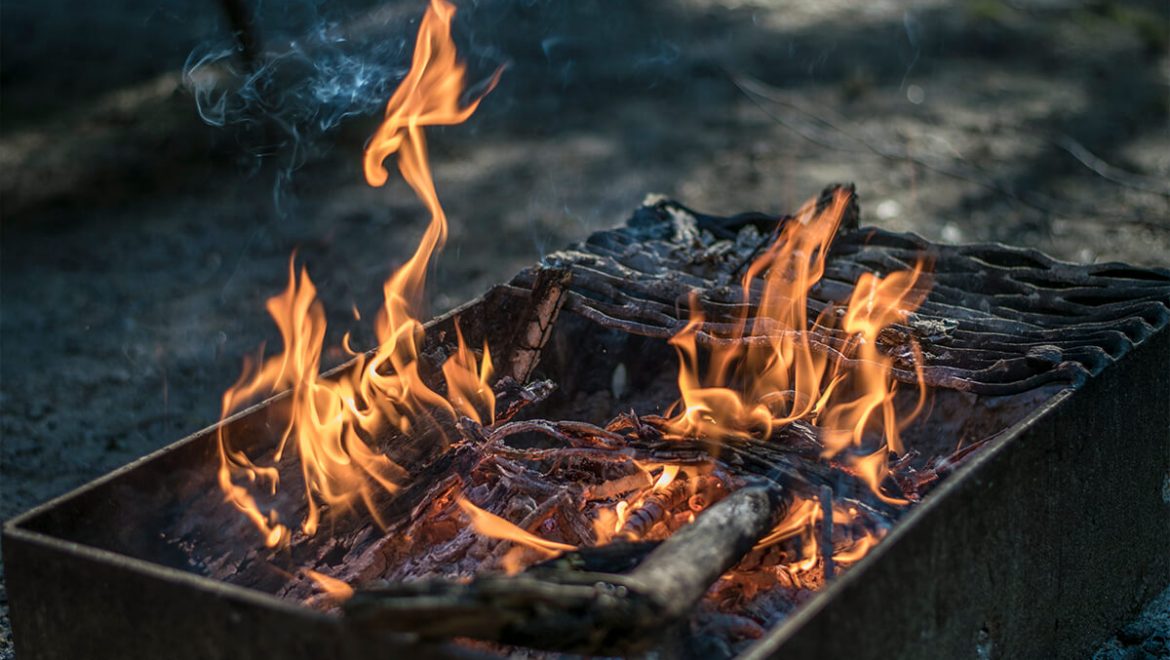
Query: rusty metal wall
<point x="70" y="602"/>
<point x="1046" y="544"/>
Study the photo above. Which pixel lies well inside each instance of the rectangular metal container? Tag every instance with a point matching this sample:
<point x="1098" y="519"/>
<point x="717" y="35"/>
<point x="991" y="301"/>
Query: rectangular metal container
<point x="1039" y="547"/>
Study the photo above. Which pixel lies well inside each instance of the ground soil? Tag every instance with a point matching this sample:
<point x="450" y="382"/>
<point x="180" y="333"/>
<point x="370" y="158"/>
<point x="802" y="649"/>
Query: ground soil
<point x="139" y="243"/>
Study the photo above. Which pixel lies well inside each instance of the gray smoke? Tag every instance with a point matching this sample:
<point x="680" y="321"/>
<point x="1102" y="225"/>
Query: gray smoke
<point x="281" y="105"/>
<point x="559" y="54"/>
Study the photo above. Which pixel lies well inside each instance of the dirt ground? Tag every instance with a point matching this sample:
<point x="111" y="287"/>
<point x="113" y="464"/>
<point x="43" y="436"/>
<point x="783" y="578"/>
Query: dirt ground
<point x="139" y="243"/>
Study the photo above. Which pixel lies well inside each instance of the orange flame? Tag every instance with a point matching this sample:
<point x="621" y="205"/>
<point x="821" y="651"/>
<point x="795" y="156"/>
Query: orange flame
<point x="669" y="472"/>
<point x="331" y="421"/>
<point x="333" y="588"/>
<point x="802" y="519"/>
<point x="609" y="521"/>
<point x="490" y="525"/>
<point x="778" y="373"/>
<point x="468" y="385"/>
<point x="801" y="516"/>
<point x="428" y="96"/>
<point x="858" y="550"/>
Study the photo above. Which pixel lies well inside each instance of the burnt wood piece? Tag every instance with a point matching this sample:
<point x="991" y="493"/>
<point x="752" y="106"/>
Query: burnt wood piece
<point x="580" y="611"/>
<point x="826" y="531"/>
<point x="512" y="396"/>
<point x="680" y="570"/>
<point x="790" y="458"/>
<point x="616" y="557"/>
<point x="997" y="320"/>
<point x="546" y="299"/>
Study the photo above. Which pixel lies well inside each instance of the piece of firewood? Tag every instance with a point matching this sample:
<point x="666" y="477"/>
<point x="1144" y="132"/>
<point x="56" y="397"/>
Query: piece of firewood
<point x="583" y="612"/>
<point x="547" y="298"/>
<point x="826" y="537"/>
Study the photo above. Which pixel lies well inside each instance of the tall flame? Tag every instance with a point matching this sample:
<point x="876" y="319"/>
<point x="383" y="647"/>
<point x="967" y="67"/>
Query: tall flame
<point x="332" y="421"/>
<point x="768" y="372"/>
<point x="428" y="96"/>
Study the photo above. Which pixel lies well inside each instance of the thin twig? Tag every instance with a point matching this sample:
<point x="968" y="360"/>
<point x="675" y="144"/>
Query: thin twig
<point x="826" y="540"/>
<point x="1109" y="172"/>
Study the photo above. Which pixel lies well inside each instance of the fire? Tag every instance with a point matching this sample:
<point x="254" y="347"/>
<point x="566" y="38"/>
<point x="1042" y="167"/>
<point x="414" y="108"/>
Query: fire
<point x="857" y="550"/>
<point x="493" y="526"/>
<point x="330" y="586"/>
<point x="608" y="522"/>
<point x="333" y="422"/>
<point x="802" y="520"/>
<point x="468" y="386"/>
<point x="768" y="371"/>
<point x="669" y="472"/>
<point x="760" y="373"/>
<point x="756" y="372"/>
<point x="802" y="516"/>
<point x="496" y="527"/>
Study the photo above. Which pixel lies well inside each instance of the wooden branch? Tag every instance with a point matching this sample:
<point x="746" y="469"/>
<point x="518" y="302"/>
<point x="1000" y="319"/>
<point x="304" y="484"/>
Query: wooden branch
<point x="614" y="557"/>
<point x="584" y="612"/>
<point x="677" y="574"/>
<point x="826" y="540"/>
<point x="512" y="396"/>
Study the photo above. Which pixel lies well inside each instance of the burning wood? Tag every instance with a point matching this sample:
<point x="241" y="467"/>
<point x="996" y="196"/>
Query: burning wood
<point x="583" y="612"/>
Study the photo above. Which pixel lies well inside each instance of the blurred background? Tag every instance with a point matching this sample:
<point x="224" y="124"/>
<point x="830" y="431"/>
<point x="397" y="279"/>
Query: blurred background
<point x="157" y="170"/>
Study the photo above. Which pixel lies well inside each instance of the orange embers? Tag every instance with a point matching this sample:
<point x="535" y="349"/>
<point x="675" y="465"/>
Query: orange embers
<point x="332" y="420"/>
<point x="776" y="367"/>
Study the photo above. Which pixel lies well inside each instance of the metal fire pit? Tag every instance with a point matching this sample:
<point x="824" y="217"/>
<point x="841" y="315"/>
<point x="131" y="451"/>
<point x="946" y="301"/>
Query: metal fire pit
<point x="1039" y="546"/>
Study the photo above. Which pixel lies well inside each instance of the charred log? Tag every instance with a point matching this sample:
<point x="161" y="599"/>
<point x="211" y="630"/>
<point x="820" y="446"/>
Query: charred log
<point x="546" y="298"/>
<point x="584" y="612"/>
